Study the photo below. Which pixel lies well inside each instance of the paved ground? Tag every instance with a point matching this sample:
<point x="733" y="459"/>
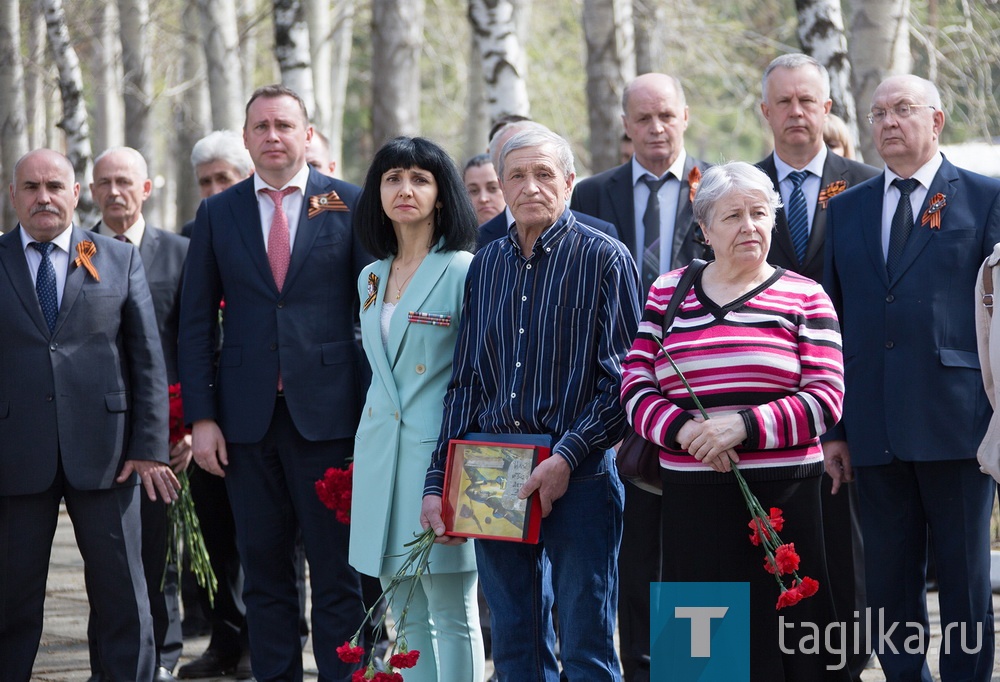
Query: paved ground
<point x="63" y="655"/>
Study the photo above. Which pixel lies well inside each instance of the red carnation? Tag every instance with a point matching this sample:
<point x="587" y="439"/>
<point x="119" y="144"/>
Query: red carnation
<point x="786" y="559"/>
<point x="759" y="526"/>
<point x="334" y="491"/>
<point x="789" y="597"/>
<point x="404" y="660"/>
<point x="360" y="675"/>
<point x="176" y="421"/>
<point x="350" y="654"/>
<point x="808" y="587"/>
<point x="387" y="677"/>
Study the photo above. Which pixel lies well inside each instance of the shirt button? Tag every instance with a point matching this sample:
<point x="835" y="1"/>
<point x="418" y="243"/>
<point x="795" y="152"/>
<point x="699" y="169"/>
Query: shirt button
<point x="517" y="364"/>
<point x="528" y="266"/>
<point x="524" y="298"/>
<point x="420" y="369"/>
<point x="548" y="249"/>
<point x="513" y="395"/>
<point x="520" y="331"/>
<point x="517" y="423"/>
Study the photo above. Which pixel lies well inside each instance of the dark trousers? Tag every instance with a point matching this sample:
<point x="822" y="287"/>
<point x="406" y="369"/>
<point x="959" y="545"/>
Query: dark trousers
<point x="638" y="566"/>
<point x="901" y="502"/>
<point x="164" y="603"/>
<point x="107" y="528"/>
<point x="271" y="487"/>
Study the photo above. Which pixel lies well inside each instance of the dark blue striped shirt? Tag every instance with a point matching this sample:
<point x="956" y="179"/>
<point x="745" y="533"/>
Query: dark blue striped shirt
<point x="541" y="343"/>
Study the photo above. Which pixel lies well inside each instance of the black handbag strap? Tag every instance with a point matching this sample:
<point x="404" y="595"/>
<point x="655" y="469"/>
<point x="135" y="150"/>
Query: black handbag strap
<point x="685" y="283"/>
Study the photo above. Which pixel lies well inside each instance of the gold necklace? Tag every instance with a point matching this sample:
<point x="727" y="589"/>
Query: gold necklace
<point x="401" y="286"/>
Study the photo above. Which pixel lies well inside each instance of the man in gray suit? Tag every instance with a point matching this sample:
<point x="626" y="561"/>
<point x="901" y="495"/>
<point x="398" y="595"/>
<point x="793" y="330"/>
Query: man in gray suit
<point x="121" y="186"/>
<point x="83" y="417"/>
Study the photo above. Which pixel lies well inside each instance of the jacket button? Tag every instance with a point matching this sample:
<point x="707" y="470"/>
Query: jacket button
<point x="420" y="369"/>
<point x="889" y="344"/>
<point x="49" y="398"/>
<point x="281" y="304"/>
<point x="274" y="346"/>
<point x="890" y="298"/>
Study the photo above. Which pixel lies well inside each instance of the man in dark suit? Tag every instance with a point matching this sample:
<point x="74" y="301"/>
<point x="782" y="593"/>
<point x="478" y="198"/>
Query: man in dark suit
<point x="902" y="254"/>
<point x="660" y="231"/>
<point x="500" y="225"/>
<point x="121" y="186"/>
<point x="83" y="418"/>
<point x="796" y="100"/>
<point x="285" y="401"/>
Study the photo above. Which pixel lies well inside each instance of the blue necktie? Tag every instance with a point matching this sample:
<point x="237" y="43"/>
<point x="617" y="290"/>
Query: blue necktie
<point x="45" y="285"/>
<point x="651" y="225"/>
<point x="902" y="224"/>
<point x="798" y="215"/>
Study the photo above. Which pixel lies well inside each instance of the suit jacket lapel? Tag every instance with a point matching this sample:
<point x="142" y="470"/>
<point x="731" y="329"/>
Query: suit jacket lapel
<point x="869" y="218"/>
<point x="945" y="182"/>
<point x="307" y="230"/>
<point x="246" y="217"/>
<point x="685" y="212"/>
<point x="147" y="250"/>
<point x="622" y="197"/>
<point x="371" y="330"/>
<point x="74" y="277"/>
<point x="834" y="169"/>
<point x="424" y="280"/>
<point x="13" y="261"/>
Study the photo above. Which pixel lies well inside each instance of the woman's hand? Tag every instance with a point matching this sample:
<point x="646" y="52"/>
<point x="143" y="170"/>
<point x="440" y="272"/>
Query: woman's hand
<point x="713" y="440"/>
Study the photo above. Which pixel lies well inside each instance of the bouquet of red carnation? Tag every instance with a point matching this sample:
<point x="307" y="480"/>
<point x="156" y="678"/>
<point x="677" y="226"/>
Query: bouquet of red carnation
<point x="183" y="526"/>
<point x="779" y="558"/>
<point x="334" y="491"/>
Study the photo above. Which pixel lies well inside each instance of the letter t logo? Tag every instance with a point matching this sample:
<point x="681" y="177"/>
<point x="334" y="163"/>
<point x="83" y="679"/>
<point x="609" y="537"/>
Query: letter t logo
<point x="701" y="626"/>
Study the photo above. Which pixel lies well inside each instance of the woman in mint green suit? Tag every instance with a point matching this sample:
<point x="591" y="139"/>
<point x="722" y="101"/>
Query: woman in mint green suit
<point x="413" y="214"/>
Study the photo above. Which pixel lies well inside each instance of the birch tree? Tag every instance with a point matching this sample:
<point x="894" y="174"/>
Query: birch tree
<point x="646" y="19"/>
<point x="495" y="26"/>
<point x="192" y="111"/>
<point x="607" y="26"/>
<point x="35" y="85"/>
<point x="137" y="77"/>
<point x="222" y="63"/>
<point x="109" y="115"/>
<point x="821" y="34"/>
<point x="291" y="48"/>
<point x="341" y="37"/>
<point x="74" y="119"/>
<point x="879" y="47"/>
<point x="247" y="16"/>
<point x="319" y="23"/>
<point x="13" y="126"/>
<point x="397" y="37"/>
<point x="477" y="123"/>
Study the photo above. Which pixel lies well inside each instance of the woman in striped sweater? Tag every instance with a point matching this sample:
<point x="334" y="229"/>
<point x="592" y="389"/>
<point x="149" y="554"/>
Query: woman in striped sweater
<point x="761" y="348"/>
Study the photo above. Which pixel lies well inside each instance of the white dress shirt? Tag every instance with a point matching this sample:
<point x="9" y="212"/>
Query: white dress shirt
<point x="669" y="194"/>
<point x="292" y="204"/>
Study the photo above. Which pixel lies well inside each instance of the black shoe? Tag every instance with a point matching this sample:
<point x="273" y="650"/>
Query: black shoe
<point x="195" y="626"/>
<point x="243" y="671"/>
<point x="163" y="675"/>
<point x="209" y="664"/>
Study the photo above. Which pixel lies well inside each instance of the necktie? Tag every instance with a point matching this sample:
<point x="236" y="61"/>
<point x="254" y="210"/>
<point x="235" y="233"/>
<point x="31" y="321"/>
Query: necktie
<point x="902" y="224"/>
<point x="122" y="238"/>
<point x="651" y="223"/>
<point x="45" y="285"/>
<point x="278" y="252"/>
<point x="798" y="215"/>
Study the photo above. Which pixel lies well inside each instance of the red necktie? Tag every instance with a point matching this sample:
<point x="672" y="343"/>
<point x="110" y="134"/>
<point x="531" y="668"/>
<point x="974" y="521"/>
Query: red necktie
<point x="278" y="251"/>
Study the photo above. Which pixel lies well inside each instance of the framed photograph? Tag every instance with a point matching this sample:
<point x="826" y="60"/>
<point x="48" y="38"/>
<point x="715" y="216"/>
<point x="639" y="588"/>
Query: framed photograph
<point x="482" y="478"/>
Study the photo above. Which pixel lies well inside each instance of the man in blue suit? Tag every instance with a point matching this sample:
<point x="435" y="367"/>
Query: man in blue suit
<point x="902" y="255"/>
<point x="284" y="404"/>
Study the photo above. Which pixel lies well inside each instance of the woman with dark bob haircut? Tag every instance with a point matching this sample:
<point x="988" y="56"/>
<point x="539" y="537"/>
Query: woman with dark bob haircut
<point x="415" y="215"/>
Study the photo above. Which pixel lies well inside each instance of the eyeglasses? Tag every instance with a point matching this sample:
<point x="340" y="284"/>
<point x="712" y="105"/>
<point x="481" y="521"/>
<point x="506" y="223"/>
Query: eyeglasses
<point x="904" y="110"/>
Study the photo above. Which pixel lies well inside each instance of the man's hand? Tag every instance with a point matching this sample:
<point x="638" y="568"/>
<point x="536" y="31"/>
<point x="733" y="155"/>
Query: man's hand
<point x="837" y="460"/>
<point x="154" y="476"/>
<point x="209" y="447"/>
<point x="550" y="479"/>
<point x="430" y="517"/>
<point x="180" y="454"/>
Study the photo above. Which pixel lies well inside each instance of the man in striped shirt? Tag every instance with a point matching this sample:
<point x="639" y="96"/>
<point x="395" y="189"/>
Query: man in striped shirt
<point x="549" y="314"/>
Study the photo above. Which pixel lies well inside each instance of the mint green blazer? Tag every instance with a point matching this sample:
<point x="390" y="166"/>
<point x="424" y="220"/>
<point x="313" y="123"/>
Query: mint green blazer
<point x="401" y="419"/>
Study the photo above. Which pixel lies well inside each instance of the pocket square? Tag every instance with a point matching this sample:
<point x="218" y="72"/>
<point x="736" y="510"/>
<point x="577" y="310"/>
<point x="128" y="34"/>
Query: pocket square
<point x="436" y="319"/>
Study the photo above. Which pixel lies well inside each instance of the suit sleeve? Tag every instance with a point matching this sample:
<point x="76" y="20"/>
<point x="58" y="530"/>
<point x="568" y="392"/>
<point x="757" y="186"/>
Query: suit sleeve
<point x="200" y="296"/>
<point x="146" y="369"/>
<point x="831" y="283"/>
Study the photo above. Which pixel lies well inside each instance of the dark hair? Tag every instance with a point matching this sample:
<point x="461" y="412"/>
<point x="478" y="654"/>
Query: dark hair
<point x="273" y="92"/>
<point x="455" y="220"/>
<point x="476" y="161"/>
<point x="504" y="120"/>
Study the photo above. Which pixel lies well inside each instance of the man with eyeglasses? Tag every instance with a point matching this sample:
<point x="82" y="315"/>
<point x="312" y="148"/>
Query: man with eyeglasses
<point x="903" y="250"/>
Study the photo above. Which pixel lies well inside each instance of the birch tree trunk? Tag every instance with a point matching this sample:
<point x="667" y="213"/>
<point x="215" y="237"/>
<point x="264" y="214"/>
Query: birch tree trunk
<point x="34" y="81"/>
<point x="74" y="120"/>
<point x="318" y="21"/>
<point x="343" y="34"/>
<point x="495" y="26"/>
<point x="477" y="123"/>
<point x="821" y="34"/>
<point x="109" y="115"/>
<point x="607" y="26"/>
<point x="879" y="47"/>
<point x="397" y="38"/>
<point x="222" y="63"/>
<point x="291" y="48"/>
<point x="246" y="13"/>
<point x="192" y="112"/>
<point x="648" y="45"/>
<point x="13" y="126"/>
<point x="137" y="81"/>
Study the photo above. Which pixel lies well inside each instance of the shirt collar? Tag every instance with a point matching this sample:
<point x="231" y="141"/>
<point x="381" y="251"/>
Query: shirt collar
<point x="815" y="166"/>
<point x="133" y="234"/>
<point x="62" y="240"/>
<point x="298" y="180"/>
<point x="924" y="175"/>
<point x="552" y="234"/>
<point x="677" y="168"/>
